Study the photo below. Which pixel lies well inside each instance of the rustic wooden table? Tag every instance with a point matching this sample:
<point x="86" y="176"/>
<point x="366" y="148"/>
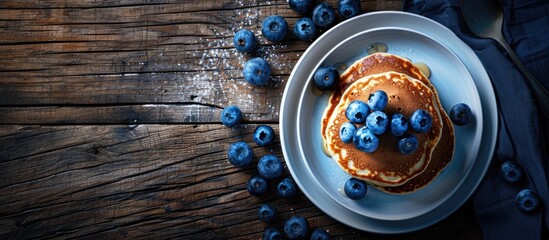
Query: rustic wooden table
<point x="110" y="127"/>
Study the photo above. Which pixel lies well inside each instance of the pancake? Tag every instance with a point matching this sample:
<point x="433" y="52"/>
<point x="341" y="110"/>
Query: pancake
<point x="381" y="62"/>
<point x="386" y="166"/>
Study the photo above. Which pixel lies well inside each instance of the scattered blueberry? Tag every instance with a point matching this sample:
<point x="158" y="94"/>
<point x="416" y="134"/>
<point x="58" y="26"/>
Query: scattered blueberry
<point x="272" y="234"/>
<point x="347" y="132"/>
<point x="231" y="116"/>
<point x="286" y="188"/>
<point x="296" y="227"/>
<point x="357" y="111"/>
<point x="319" y="234"/>
<point x="323" y="15"/>
<point x="377" y="121"/>
<point x="240" y="154"/>
<point x="348" y="8"/>
<point x="257" y="185"/>
<point x="527" y="200"/>
<point x="301" y="6"/>
<point x="365" y="140"/>
<point x="378" y="100"/>
<point x="421" y="121"/>
<point x="511" y="171"/>
<point x="355" y="188"/>
<point x="274" y="28"/>
<point x="408" y="144"/>
<point x="305" y="29"/>
<point x="266" y="213"/>
<point x="264" y="135"/>
<point x="326" y="78"/>
<point x="399" y="124"/>
<point x="270" y="167"/>
<point x="244" y="40"/>
<point x="461" y="114"/>
<point x="257" y="71"/>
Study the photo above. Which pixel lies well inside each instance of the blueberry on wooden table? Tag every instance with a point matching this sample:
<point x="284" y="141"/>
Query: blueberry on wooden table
<point x="365" y="140"/>
<point x="421" y="121"/>
<point x="303" y="7"/>
<point x="257" y="71"/>
<point x="355" y="188"/>
<point x="357" y="111"/>
<point x="377" y="101"/>
<point x="527" y="200"/>
<point x="461" y="114"/>
<point x="347" y="132"/>
<point x="305" y="29"/>
<point x="231" y="116"/>
<point x="319" y="234"/>
<point x="270" y="167"/>
<point x="323" y="15"/>
<point x="274" y="28"/>
<point x="296" y="227"/>
<point x="264" y="135"/>
<point x="511" y="171"/>
<point x="326" y="78"/>
<point x="286" y="188"/>
<point x="257" y="185"/>
<point x="244" y="40"/>
<point x="272" y="234"/>
<point x="266" y="213"/>
<point x="240" y="154"/>
<point x="399" y="124"/>
<point x="377" y="121"/>
<point x="408" y="144"/>
<point x="348" y="8"/>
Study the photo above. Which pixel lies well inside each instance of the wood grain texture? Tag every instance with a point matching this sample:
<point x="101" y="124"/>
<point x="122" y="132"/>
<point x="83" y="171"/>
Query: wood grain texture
<point x="109" y="122"/>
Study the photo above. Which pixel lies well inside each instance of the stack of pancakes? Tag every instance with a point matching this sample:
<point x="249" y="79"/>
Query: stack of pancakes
<point x="408" y="90"/>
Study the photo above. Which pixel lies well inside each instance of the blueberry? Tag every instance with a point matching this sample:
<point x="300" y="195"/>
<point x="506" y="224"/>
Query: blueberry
<point x="357" y="111"/>
<point x="240" y="154"/>
<point x="527" y="200"/>
<point x="421" y="121"/>
<point x="231" y="116"/>
<point x="461" y="114"/>
<point x="355" y="188"/>
<point x="377" y="100"/>
<point x="264" y="135"/>
<point x="286" y="188"/>
<point x="257" y="71"/>
<point x="305" y="29"/>
<point x="399" y="124"/>
<point x="326" y="78"/>
<point x="377" y="121"/>
<point x="319" y="234"/>
<point x="274" y="28"/>
<point x="365" y="140"/>
<point x="244" y="40"/>
<point x="301" y="6"/>
<point x="296" y="227"/>
<point x="257" y="185"/>
<point x="270" y="167"/>
<point x="511" y="171"/>
<point x="408" y="144"/>
<point x="266" y="213"/>
<point x="272" y="234"/>
<point x="348" y="8"/>
<point x="323" y="15"/>
<point x="347" y="132"/>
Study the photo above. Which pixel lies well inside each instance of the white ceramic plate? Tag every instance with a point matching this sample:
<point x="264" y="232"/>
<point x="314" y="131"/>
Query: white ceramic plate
<point x="404" y="33"/>
<point x="448" y="74"/>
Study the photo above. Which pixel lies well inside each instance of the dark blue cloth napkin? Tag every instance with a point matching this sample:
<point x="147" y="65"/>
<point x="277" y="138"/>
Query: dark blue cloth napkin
<point x="522" y="126"/>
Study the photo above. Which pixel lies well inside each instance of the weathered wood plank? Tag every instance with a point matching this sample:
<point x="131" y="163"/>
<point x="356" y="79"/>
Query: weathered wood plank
<point x="148" y="181"/>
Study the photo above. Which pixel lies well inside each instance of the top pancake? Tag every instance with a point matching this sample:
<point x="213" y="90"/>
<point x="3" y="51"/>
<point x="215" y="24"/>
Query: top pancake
<point x="386" y="166"/>
<point x="383" y="62"/>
